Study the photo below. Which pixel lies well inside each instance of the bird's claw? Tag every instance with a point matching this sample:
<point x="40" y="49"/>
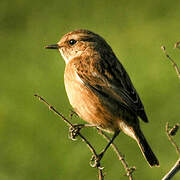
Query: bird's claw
<point x="74" y="130"/>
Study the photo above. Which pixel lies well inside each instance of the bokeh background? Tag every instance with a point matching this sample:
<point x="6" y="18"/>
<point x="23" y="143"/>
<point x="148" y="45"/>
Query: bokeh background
<point x="34" y="142"/>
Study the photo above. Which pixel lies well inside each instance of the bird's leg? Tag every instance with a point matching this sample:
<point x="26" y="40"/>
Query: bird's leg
<point x="110" y="142"/>
<point x="98" y="158"/>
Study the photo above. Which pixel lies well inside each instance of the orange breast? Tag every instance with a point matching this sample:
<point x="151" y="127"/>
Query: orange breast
<point x="85" y="102"/>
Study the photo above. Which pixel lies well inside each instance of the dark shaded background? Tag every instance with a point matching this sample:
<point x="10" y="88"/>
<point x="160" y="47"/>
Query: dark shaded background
<point x="34" y="143"/>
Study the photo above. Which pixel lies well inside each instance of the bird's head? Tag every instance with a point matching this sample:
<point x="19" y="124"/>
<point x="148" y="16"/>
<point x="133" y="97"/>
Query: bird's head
<point x="78" y="42"/>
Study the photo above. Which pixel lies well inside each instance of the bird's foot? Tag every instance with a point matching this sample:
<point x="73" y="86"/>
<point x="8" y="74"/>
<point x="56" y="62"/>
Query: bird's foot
<point x="74" y="130"/>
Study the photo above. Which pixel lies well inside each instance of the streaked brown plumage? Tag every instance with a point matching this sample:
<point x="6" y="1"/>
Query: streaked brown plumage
<point x="99" y="89"/>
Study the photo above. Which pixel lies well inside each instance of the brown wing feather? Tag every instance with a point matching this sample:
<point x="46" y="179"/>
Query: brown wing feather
<point x="110" y="78"/>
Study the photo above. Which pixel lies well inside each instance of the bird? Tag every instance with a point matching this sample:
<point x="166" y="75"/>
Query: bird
<point x="100" y="90"/>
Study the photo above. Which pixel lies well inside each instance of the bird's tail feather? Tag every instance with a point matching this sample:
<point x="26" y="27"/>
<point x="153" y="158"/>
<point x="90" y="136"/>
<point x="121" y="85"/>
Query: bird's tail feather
<point x="146" y="149"/>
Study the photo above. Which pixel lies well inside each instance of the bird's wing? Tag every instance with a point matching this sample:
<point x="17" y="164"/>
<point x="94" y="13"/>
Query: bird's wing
<point x="111" y="79"/>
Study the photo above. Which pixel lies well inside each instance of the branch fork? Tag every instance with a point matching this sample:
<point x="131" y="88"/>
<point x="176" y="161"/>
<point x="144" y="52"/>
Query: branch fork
<point x="74" y="131"/>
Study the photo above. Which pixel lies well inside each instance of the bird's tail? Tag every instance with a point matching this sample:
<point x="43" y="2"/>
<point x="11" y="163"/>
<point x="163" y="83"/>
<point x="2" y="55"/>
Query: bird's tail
<point x="146" y="149"/>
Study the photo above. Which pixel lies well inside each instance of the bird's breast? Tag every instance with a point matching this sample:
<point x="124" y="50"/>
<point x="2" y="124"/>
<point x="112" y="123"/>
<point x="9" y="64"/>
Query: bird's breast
<point x="86" y="104"/>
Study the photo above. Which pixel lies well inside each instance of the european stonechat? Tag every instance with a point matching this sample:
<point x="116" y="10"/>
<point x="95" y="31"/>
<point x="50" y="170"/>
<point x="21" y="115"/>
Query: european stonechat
<point x="99" y="88"/>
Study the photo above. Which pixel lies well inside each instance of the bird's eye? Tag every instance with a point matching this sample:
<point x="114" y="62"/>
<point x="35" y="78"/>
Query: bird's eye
<point x="72" y="42"/>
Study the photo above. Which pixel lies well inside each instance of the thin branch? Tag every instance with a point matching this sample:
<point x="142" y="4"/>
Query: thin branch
<point x="101" y="175"/>
<point x="129" y="171"/>
<point x="172" y="61"/>
<point x="74" y="132"/>
<point x="173" y="171"/>
<point x="171" y="132"/>
<point x="54" y="110"/>
<point x="169" y="135"/>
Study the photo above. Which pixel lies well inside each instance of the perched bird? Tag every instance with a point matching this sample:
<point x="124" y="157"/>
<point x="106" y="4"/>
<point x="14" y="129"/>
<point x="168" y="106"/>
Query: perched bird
<point x="99" y="88"/>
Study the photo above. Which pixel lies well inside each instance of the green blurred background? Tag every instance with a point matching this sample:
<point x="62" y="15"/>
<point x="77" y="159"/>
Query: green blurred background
<point x="34" y="143"/>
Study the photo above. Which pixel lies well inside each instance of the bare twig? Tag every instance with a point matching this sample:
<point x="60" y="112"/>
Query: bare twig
<point x="54" y="110"/>
<point x="172" y="61"/>
<point x="75" y="132"/>
<point x="171" y="132"/>
<point x="101" y="175"/>
<point x="177" y="45"/>
<point x="173" y="171"/>
<point x="129" y="171"/>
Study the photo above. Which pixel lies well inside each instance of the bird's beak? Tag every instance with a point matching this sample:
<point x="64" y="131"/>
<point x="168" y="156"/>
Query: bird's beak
<point x="53" y="46"/>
